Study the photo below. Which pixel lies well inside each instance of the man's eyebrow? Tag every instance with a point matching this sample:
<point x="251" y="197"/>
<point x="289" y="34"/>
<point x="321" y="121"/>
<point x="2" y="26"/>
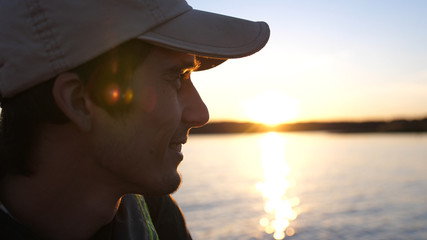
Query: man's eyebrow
<point x="186" y="67"/>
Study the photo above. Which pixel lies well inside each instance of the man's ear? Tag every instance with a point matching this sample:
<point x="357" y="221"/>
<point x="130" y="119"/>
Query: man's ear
<point x="70" y="96"/>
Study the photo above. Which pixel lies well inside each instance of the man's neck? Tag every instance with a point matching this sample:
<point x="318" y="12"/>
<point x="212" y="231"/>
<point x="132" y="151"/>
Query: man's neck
<point x="67" y="197"/>
<point x="69" y="211"/>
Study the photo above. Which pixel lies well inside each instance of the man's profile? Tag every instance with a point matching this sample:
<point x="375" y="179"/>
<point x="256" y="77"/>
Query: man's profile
<point x="97" y="101"/>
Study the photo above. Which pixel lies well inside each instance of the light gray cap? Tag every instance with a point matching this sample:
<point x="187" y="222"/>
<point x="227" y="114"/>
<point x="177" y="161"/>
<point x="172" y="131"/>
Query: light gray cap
<point x="40" y="39"/>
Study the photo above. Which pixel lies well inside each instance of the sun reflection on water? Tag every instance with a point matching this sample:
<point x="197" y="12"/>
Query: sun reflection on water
<point x="279" y="209"/>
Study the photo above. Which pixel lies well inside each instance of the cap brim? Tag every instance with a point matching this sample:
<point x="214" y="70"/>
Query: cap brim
<point x="212" y="37"/>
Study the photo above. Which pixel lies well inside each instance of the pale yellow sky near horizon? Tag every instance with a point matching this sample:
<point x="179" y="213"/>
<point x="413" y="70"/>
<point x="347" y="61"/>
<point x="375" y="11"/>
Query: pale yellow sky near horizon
<point x="326" y="60"/>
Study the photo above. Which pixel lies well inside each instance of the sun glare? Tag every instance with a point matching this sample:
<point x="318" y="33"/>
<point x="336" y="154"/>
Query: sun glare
<point x="271" y="108"/>
<point x="280" y="210"/>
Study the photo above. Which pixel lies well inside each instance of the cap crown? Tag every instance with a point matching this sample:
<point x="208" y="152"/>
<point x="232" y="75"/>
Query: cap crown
<point x="41" y="38"/>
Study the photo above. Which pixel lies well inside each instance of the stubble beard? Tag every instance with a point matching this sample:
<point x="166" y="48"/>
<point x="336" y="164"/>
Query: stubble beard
<point x="170" y="184"/>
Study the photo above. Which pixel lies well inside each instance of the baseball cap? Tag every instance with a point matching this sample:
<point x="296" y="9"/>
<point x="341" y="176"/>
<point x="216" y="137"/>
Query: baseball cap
<point x="40" y="39"/>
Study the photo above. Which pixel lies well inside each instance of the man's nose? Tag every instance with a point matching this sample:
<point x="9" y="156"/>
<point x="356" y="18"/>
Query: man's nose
<point x="195" y="113"/>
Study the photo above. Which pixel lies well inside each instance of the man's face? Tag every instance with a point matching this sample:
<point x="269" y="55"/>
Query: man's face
<point x="141" y="150"/>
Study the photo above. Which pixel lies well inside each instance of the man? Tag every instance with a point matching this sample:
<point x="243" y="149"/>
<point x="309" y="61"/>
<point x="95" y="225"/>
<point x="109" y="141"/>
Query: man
<point x="97" y="102"/>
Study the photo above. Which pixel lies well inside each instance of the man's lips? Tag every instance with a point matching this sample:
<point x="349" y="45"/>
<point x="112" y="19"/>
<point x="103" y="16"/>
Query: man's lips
<point x="177" y="144"/>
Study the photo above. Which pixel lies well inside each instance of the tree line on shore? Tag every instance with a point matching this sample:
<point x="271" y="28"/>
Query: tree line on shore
<point x="400" y="125"/>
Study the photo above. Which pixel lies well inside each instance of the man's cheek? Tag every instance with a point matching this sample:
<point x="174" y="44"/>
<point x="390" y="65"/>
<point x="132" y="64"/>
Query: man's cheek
<point x="149" y="99"/>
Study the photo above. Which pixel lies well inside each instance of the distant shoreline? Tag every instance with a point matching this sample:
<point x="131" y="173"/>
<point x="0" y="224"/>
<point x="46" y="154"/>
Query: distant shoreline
<point x="394" y="126"/>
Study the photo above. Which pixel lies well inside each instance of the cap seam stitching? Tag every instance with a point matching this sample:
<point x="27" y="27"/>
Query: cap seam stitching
<point x="44" y="31"/>
<point x="166" y="20"/>
<point x="155" y="12"/>
<point x="257" y="42"/>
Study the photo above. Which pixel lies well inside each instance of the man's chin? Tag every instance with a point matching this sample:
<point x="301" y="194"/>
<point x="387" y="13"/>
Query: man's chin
<point x="170" y="184"/>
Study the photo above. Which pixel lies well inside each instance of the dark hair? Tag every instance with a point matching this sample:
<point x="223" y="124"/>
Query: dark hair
<point x="107" y="78"/>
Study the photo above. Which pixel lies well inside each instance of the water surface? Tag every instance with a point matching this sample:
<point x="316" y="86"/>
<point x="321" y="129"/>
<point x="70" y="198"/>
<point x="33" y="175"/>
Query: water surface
<point x="305" y="186"/>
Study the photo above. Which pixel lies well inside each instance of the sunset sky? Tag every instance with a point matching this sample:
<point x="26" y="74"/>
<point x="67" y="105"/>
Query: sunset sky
<point x="326" y="60"/>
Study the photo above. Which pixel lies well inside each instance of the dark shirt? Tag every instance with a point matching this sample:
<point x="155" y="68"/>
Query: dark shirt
<point x="10" y="229"/>
<point x="167" y="218"/>
<point x="165" y="214"/>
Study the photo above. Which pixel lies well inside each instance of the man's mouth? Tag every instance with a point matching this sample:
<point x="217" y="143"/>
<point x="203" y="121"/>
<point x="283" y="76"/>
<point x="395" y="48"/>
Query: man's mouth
<point x="176" y="146"/>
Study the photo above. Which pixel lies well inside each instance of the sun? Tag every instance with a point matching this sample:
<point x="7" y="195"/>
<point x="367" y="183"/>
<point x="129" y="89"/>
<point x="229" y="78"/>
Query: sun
<point x="271" y="108"/>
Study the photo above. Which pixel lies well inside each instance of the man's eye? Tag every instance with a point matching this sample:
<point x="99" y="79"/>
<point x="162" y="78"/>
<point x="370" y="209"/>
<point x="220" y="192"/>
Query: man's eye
<point x="181" y="77"/>
<point x="177" y="79"/>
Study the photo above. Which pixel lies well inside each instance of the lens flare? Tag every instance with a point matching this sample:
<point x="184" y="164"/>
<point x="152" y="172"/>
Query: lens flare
<point x="112" y="94"/>
<point x="128" y="96"/>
